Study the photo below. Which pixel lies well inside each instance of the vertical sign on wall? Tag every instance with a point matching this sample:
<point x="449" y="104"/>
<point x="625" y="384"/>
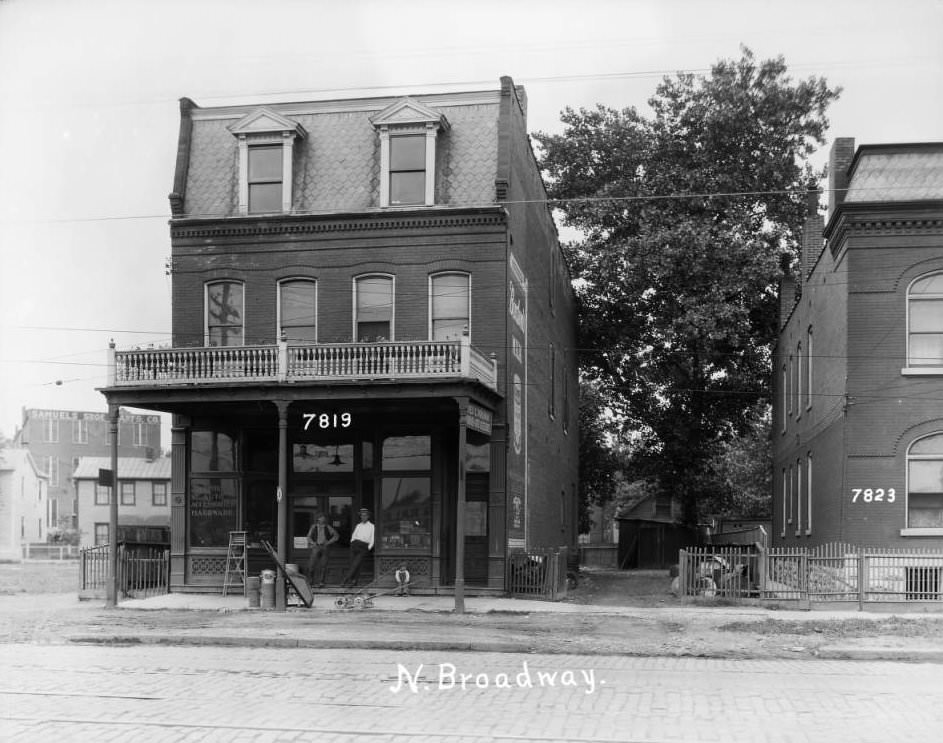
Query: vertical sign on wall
<point x="517" y="414"/>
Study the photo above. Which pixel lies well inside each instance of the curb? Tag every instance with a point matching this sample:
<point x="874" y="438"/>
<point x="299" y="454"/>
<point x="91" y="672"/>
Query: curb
<point x="294" y="643"/>
<point x="903" y="655"/>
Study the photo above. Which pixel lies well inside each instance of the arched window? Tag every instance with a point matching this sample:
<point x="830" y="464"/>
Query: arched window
<point x="298" y="310"/>
<point x="224" y="314"/>
<point x="925" y="483"/>
<point x="925" y="321"/>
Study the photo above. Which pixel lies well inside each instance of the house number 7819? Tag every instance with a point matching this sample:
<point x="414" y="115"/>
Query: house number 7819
<point x="327" y="420"/>
<point x="873" y="495"/>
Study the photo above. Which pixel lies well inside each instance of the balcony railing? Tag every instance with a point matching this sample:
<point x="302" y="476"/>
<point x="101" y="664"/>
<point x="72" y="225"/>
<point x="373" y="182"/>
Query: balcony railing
<point x="310" y="363"/>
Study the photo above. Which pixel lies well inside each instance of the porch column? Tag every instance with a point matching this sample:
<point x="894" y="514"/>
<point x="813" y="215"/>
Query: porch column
<point x="114" y="412"/>
<point x="281" y="535"/>
<point x="460" y="507"/>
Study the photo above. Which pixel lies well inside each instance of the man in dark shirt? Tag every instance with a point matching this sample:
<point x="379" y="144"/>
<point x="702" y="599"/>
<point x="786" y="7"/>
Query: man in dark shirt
<point x="321" y="536"/>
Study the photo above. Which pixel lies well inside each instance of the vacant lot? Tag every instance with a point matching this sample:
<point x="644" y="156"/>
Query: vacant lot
<point x="39" y="576"/>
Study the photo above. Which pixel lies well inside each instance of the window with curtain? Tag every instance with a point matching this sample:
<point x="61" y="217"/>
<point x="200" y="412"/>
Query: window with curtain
<point x="297" y="310"/>
<point x="925" y="483"/>
<point x="450" y="306"/>
<point x="925" y="321"/>
<point x="224" y="313"/>
<point x="374" y="303"/>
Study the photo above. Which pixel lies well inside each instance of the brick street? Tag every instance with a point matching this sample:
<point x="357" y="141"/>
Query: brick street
<point x="264" y="694"/>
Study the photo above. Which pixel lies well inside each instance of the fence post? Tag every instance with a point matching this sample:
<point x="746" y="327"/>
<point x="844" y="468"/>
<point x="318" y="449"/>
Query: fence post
<point x="861" y="579"/>
<point x="682" y="573"/>
<point x="762" y="565"/>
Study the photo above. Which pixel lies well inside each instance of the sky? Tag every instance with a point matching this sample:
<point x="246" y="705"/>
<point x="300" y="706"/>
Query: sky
<point x="89" y="118"/>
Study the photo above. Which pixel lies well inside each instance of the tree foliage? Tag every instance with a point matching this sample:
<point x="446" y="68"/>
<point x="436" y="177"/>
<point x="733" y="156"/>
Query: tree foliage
<point x="742" y="471"/>
<point x="689" y="217"/>
<point x="599" y="460"/>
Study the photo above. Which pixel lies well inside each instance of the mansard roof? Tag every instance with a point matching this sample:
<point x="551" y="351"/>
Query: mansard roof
<point x="908" y="172"/>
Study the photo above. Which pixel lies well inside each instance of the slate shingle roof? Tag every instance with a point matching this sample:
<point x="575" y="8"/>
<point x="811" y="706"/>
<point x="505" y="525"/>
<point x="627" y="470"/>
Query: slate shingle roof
<point x="336" y="167"/>
<point x="898" y="176"/>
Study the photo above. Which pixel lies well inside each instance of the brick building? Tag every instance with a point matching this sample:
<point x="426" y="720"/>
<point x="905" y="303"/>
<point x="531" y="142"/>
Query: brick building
<point x="370" y="309"/>
<point x="858" y="368"/>
<point x="58" y="438"/>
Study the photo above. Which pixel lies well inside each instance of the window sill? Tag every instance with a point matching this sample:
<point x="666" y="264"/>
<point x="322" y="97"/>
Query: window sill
<point x="808" y="532"/>
<point x="922" y="532"/>
<point x="922" y="371"/>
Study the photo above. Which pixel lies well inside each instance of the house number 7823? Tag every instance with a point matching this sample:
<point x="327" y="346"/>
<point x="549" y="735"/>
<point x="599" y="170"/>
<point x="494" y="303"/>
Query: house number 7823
<point x="873" y="495"/>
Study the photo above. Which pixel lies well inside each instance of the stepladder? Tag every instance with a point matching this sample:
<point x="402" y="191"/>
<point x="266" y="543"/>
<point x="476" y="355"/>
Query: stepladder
<point x="235" y="575"/>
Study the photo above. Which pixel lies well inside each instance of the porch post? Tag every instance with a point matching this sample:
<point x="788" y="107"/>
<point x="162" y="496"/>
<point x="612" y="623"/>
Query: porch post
<point x="281" y="536"/>
<point x="460" y="507"/>
<point x="114" y="412"/>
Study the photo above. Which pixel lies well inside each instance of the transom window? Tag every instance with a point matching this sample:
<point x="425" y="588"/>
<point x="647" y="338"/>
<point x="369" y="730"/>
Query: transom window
<point x="925" y="321"/>
<point x="224" y="314"/>
<point x="298" y="310"/>
<point x="925" y="483"/>
<point x="450" y="310"/>
<point x="373" y="302"/>
<point x="265" y="179"/>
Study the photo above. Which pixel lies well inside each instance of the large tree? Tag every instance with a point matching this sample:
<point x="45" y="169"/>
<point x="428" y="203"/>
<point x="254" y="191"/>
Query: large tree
<point x="690" y="216"/>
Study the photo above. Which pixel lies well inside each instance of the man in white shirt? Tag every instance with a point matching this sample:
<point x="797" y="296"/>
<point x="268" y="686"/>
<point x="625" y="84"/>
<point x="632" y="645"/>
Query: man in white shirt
<point x="361" y="542"/>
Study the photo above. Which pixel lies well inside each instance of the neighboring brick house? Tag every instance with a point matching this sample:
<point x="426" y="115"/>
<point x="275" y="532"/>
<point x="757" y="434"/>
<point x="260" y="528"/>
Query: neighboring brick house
<point x="24" y="503"/>
<point x="858" y="368"/>
<point x="58" y="438"/>
<point x="370" y="309"/>
<point x="143" y="500"/>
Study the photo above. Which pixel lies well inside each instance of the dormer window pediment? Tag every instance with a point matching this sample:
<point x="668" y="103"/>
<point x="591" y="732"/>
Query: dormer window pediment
<point x="408" y="132"/>
<point x="266" y="146"/>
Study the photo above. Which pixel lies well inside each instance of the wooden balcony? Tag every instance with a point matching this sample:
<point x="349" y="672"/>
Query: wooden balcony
<point x="322" y="362"/>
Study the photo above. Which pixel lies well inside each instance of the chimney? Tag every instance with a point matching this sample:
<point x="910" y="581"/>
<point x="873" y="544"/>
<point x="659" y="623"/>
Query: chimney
<point x="812" y="241"/>
<point x="787" y="298"/>
<point x="839" y="160"/>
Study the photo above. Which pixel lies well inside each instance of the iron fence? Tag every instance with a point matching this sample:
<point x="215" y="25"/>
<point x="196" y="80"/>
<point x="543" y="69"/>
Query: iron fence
<point x="834" y="572"/>
<point x="541" y="573"/>
<point x="142" y="571"/>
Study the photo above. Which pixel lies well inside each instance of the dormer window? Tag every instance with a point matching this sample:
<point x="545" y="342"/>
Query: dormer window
<point x="408" y="132"/>
<point x="266" y="148"/>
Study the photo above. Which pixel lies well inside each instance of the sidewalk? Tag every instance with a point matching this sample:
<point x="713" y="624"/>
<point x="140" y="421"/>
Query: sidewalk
<point x="517" y="625"/>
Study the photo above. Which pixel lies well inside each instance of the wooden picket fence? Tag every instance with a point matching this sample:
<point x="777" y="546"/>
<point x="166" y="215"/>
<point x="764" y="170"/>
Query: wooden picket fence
<point x="829" y="573"/>
<point x="538" y="574"/>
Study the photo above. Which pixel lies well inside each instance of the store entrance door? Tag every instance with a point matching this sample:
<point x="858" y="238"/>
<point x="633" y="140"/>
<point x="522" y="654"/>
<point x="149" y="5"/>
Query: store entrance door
<point x="336" y="501"/>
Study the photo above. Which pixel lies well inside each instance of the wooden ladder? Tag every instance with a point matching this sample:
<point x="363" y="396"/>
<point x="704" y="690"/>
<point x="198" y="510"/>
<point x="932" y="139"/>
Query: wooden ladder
<point x="235" y="575"/>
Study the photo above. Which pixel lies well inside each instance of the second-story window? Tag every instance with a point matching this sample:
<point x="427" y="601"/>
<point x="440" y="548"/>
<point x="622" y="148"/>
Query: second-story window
<point x="224" y="316"/>
<point x="139" y="432"/>
<point x="127" y="494"/>
<point x="298" y="310"/>
<point x="265" y="179"/>
<point x="373" y="301"/>
<point x="79" y="431"/>
<point x="450" y="312"/>
<point x="51" y="430"/>
<point x="925" y="321"/>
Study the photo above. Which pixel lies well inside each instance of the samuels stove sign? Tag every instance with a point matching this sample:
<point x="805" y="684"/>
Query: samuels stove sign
<point x="517" y="363"/>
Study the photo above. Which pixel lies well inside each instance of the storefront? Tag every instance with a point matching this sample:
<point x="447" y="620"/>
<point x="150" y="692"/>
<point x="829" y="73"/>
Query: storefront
<point x="399" y="459"/>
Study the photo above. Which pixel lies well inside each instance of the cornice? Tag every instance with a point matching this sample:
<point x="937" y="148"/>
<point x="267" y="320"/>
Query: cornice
<point x="335" y="223"/>
<point x="885" y="218"/>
